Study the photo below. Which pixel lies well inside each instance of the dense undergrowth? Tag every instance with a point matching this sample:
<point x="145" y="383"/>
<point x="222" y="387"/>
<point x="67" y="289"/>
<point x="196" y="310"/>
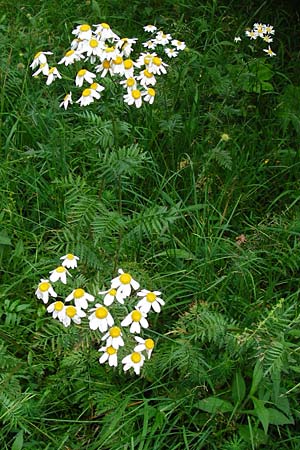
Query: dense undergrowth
<point x="197" y="195"/>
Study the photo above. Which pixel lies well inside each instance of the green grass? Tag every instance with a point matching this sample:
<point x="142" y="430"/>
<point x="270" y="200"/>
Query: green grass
<point x="160" y="192"/>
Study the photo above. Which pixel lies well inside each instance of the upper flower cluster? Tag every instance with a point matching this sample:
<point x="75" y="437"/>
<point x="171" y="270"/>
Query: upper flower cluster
<point x="75" y="307"/>
<point x="98" y="52"/>
<point x="263" y="31"/>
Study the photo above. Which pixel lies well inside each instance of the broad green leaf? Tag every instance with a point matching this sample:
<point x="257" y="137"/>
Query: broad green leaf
<point x="215" y="405"/>
<point x="258" y="436"/>
<point x="257" y="377"/>
<point x="18" y="442"/>
<point x="278" y="418"/>
<point x="262" y="413"/>
<point x="238" y="388"/>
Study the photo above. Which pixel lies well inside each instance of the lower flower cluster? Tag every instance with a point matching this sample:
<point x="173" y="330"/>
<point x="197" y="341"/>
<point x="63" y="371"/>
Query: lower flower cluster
<point x="119" y="331"/>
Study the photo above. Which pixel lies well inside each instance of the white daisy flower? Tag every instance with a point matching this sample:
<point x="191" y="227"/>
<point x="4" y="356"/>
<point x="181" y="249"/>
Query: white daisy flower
<point x="100" y="318"/>
<point x="88" y="96"/>
<point x="53" y="73"/>
<point x="129" y="83"/>
<point x="60" y="273"/>
<point x="93" y="48"/>
<point x="171" y="52"/>
<point x="180" y="45"/>
<point x="162" y="38"/>
<point x="65" y="103"/>
<point x="128" y="68"/>
<point x="105" y="67"/>
<point x="146" y="78"/>
<point x="269" y="29"/>
<point x="84" y="75"/>
<point x="109" y="53"/>
<point x="72" y="314"/>
<point x="149" y="95"/>
<point x="133" y="97"/>
<point x="145" y="59"/>
<point x="44" y="290"/>
<point x="144" y="344"/>
<point x="157" y="66"/>
<point x="149" y="44"/>
<point x="134" y="360"/>
<point x="125" y="46"/>
<point x="110" y="355"/>
<point x="124" y="283"/>
<point x="39" y="58"/>
<point x="44" y="69"/>
<point x="150" y="28"/>
<point x="104" y="32"/>
<point x="57" y="310"/>
<point x="70" y="57"/>
<point x="97" y="87"/>
<point x="269" y="51"/>
<point x="237" y="39"/>
<point x="80" y="297"/>
<point x="110" y="295"/>
<point x="267" y="38"/>
<point x="150" y="299"/>
<point x="83" y="32"/>
<point x="69" y="260"/>
<point x="135" y="319"/>
<point x="114" y="337"/>
<point x="252" y="34"/>
<point x="117" y="65"/>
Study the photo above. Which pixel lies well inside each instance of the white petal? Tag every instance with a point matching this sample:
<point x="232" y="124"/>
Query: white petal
<point x="125" y="322"/>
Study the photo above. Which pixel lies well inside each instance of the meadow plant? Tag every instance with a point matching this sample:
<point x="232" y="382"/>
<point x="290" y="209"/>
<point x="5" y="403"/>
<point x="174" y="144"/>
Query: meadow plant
<point x="107" y="317"/>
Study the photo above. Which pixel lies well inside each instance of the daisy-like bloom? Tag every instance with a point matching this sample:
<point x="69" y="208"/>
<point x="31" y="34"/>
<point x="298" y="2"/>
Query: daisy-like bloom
<point x="252" y="34"/>
<point x="65" y="103"/>
<point x="84" y="75"/>
<point x="150" y="28"/>
<point x="104" y="32"/>
<point x="145" y="59"/>
<point x="93" y="48"/>
<point x="146" y="78"/>
<point x="44" y="69"/>
<point x="88" y="96"/>
<point x="129" y="83"/>
<point x="117" y="65"/>
<point x="60" y="273"/>
<point x="100" y="318"/>
<point x="114" y="337"/>
<point x="72" y="314"/>
<point x="105" y="67"/>
<point x="44" y="290"/>
<point x="83" y="31"/>
<point x="269" y="51"/>
<point x="259" y="28"/>
<point x="39" y="58"/>
<point x="150" y="299"/>
<point x="171" y="52"/>
<point x="237" y="39"/>
<point x="135" y="319"/>
<point x="267" y="38"/>
<point x="157" y="66"/>
<point x="97" y="87"/>
<point x="149" y="44"/>
<point x="133" y="97"/>
<point x="125" y="46"/>
<point x="70" y="57"/>
<point x="110" y="355"/>
<point x="144" y="344"/>
<point x="269" y="29"/>
<point x="69" y="261"/>
<point x="162" y="38"/>
<point x="57" y="310"/>
<point x="149" y="95"/>
<point x="128" y="68"/>
<point x="124" y="283"/>
<point x="53" y="73"/>
<point x="110" y="295"/>
<point x="80" y="297"/>
<point x="180" y="45"/>
<point x="135" y="360"/>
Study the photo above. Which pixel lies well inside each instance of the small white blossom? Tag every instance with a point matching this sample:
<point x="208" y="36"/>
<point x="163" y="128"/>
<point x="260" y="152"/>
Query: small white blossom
<point x="84" y="75"/>
<point x="65" y="103"/>
<point x="114" y="337"/>
<point x="53" y="73"/>
<point x="60" y="273"/>
<point x="44" y="290"/>
<point x="150" y="299"/>
<point x="144" y="344"/>
<point x="110" y="355"/>
<point x="136" y="319"/>
<point x="134" y="360"/>
<point x="69" y="261"/>
<point x="100" y="318"/>
<point x="72" y="314"/>
<point x="80" y="297"/>
<point x="124" y="283"/>
<point x="150" y="28"/>
<point x="57" y="310"/>
<point x="88" y="96"/>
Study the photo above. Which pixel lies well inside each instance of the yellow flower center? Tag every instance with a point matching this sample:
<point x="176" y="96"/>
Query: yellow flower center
<point x="118" y="60"/>
<point x="69" y="53"/>
<point x="156" y="61"/>
<point x="94" y="43"/>
<point x="149" y="344"/>
<point x="94" y="85"/>
<point x="130" y="82"/>
<point x="136" y="357"/>
<point x="106" y="64"/>
<point x="66" y="97"/>
<point x="136" y="94"/>
<point x="148" y="74"/>
<point x="78" y="293"/>
<point x="81" y="72"/>
<point x="151" y="92"/>
<point x="128" y="64"/>
<point x="101" y="312"/>
<point x="71" y="311"/>
<point x="110" y="49"/>
<point x="70" y="256"/>
<point x="147" y="59"/>
<point x="111" y="351"/>
<point x="136" y="315"/>
<point x="125" y="278"/>
<point x="105" y="25"/>
<point x="86" y="93"/>
<point x="60" y="269"/>
<point x="51" y="70"/>
<point x="112" y="292"/>
<point x="37" y="55"/>
<point x="115" y="332"/>
<point x="58" y="306"/>
<point x="151" y="297"/>
<point x="43" y="287"/>
<point x="85" y="27"/>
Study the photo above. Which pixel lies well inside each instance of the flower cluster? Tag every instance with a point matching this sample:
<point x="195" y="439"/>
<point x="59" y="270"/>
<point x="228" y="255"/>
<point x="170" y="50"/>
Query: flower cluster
<point x="265" y="32"/>
<point x="99" y="52"/>
<point x="119" y="331"/>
